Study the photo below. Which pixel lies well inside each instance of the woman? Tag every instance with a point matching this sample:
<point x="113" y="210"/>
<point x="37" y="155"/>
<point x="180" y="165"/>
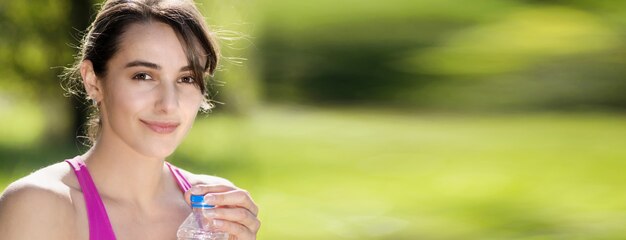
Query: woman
<point x="142" y="63"/>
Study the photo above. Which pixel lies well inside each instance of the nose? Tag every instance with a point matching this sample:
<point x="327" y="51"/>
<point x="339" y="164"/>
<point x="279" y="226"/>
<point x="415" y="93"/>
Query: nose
<point x="168" y="98"/>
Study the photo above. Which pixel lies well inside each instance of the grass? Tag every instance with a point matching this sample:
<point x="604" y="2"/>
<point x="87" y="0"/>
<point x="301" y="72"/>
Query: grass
<point x="359" y="174"/>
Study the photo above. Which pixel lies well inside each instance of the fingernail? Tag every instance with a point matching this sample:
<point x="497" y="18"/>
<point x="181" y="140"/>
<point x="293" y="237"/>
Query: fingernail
<point x="195" y="190"/>
<point x="209" y="198"/>
<point x="218" y="223"/>
<point x="209" y="213"/>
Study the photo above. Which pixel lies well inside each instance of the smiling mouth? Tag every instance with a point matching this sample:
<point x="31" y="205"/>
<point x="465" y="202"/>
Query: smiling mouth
<point x="161" y="127"/>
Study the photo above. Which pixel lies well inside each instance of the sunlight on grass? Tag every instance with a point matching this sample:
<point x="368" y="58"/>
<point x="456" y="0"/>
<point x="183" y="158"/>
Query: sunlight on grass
<point x="357" y="174"/>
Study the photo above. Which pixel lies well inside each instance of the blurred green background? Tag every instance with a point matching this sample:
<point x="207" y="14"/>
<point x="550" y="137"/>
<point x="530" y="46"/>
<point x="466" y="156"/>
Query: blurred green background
<point x="361" y="119"/>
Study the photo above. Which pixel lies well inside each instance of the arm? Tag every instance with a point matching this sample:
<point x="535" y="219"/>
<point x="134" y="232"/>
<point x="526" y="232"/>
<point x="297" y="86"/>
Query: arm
<point x="28" y="211"/>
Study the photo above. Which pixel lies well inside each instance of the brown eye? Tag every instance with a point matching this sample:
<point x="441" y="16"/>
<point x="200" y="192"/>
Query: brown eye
<point x="187" y="79"/>
<point x="142" y="76"/>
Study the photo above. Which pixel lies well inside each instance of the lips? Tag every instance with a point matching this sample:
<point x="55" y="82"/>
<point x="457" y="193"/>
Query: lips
<point x="161" y="127"/>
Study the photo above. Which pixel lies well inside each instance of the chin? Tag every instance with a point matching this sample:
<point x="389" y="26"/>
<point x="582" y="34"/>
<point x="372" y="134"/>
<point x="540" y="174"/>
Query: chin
<point x="159" y="152"/>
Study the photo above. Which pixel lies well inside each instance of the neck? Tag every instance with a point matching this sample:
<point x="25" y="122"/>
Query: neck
<point x="123" y="175"/>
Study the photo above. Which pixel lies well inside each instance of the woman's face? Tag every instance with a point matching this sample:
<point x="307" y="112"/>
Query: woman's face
<point x="149" y="99"/>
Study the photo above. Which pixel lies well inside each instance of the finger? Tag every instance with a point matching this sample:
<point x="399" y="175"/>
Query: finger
<point x="235" y="230"/>
<point x="238" y="215"/>
<point x="202" y="189"/>
<point x="235" y="198"/>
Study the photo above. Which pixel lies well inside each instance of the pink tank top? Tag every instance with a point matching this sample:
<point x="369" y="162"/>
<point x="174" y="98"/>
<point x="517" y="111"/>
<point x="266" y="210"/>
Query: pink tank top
<point x="99" y="225"/>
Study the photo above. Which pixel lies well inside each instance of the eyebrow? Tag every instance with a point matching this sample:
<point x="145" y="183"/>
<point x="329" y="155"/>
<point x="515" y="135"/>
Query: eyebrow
<point x="140" y="63"/>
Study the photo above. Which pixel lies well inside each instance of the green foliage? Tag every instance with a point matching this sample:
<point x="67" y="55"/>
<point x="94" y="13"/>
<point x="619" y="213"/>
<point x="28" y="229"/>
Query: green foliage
<point x="23" y="131"/>
<point x="34" y="39"/>
<point x="517" y="42"/>
<point x="416" y="53"/>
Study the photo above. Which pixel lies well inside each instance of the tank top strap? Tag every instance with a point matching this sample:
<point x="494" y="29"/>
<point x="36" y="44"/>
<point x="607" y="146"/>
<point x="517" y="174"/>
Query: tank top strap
<point x="99" y="225"/>
<point x="182" y="181"/>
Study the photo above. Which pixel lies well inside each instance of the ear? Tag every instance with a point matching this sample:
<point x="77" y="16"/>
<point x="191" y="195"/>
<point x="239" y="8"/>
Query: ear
<point x="91" y="83"/>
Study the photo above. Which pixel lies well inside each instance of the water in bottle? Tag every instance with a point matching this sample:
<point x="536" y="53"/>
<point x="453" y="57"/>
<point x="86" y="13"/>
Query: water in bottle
<point x="198" y="226"/>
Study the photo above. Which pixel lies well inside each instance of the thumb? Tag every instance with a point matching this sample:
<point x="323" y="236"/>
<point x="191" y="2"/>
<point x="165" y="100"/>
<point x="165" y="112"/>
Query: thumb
<point x="187" y="196"/>
<point x="193" y="190"/>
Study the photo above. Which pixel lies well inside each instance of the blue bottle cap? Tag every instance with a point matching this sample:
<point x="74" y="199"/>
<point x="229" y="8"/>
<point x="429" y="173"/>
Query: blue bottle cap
<point x="197" y="198"/>
<point x="197" y="201"/>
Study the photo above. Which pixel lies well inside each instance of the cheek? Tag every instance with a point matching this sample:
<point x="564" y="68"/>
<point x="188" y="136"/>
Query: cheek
<point x="123" y="101"/>
<point x="191" y="101"/>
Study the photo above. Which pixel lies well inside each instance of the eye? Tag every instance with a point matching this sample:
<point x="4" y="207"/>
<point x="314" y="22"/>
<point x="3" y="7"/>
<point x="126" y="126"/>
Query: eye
<point x="142" y="76"/>
<point x="187" y="79"/>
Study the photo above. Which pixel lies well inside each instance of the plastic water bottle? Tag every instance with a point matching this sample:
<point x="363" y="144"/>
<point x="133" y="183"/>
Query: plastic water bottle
<point x="197" y="226"/>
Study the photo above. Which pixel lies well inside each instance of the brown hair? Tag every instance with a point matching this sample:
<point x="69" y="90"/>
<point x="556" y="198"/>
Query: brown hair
<point x="102" y="39"/>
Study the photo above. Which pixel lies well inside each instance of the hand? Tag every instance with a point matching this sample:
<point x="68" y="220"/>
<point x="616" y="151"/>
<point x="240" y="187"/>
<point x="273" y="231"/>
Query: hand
<point x="235" y="212"/>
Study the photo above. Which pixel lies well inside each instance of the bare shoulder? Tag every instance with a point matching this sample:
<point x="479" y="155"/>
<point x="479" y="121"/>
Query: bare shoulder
<point x="37" y="206"/>
<point x="205" y="179"/>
